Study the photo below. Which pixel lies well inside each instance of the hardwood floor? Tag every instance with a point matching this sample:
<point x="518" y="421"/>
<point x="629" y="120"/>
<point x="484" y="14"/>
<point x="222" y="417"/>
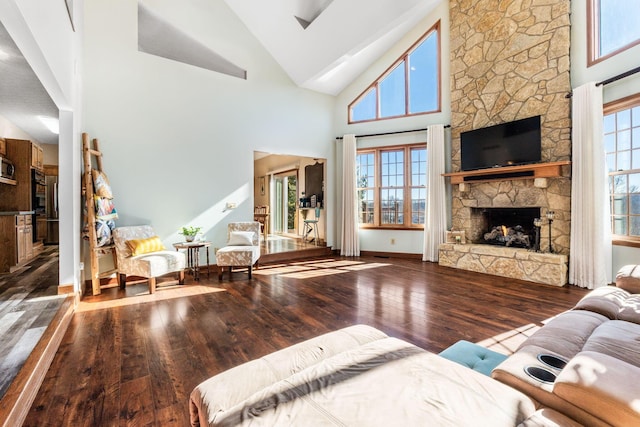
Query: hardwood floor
<point x="132" y="359"/>
<point x="28" y="301"/>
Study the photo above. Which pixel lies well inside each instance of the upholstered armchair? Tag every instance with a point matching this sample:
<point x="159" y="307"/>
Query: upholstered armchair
<point x="242" y="249"/>
<point x="141" y="253"/>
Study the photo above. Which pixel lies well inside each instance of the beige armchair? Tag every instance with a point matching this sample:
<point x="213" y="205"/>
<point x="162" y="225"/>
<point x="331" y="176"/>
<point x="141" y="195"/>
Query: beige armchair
<point x="141" y="253"/>
<point x="243" y="247"/>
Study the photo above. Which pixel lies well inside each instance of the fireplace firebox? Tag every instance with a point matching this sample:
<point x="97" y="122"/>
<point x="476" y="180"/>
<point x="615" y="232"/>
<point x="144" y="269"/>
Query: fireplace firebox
<point x="511" y="227"/>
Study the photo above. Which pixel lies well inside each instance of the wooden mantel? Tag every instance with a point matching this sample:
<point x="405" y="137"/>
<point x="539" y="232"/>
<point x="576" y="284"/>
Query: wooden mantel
<point x="536" y="170"/>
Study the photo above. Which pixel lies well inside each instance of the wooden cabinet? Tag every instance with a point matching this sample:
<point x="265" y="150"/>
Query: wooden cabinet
<point x="16" y="238"/>
<point x="24" y="238"/>
<point x="3" y="147"/>
<point x="41" y="228"/>
<point x="37" y="156"/>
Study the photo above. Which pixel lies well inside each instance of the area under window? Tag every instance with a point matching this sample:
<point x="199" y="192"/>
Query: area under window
<point x="410" y="86"/>
<point x="621" y="128"/>
<point x="614" y="26"/>
<point x="392" y="186"/>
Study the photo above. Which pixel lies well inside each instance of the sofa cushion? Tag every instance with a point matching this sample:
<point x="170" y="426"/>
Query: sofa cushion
<point x="566" y="334"/>
<point x="473" y="356"/>
<point x="630" y="310"/>
<point x="607" y="300"/>
<point x="618" y="339"/>
<point x="603" y="386"/>
<point x="240" y="238"/>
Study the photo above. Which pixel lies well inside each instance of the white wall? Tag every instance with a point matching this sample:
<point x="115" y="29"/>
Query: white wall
<point x="379" y="240"/>
<point x="581" y="74"/>
<point x="178" y="141"/>
<point x="9" y="130"/>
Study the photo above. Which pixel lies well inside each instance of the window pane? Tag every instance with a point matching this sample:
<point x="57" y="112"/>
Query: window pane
<point x="418" y="167"/>
<point x="392" y="96"/>
<point x="392" y="168"/>
<point x="619" y="24"/>
<point x="636" y="116"/>
<point x="634" y="223"/>
<point x="364" y="170"/>
<point x="609" y="123"/>
<point x="610" y="143"/>
<point x="623" y="160"/>
<point x="620" y="184"/>
<point x="620" y="225"/>
<point x="611" y="162"/>
<point x="624" y="140"/>
<point x="391" y="206"/>
<point x="635" y="204"/>
<point x="365" y="109"/>
<point x="423" y="76"/>
<point x="635" y="159"/>
<point x="623" y="119"/>
<point x="634" y="183"/>
<point x="365" y="206"/>
<point x="418" y="200"/>
<point x="635" y="137"/>
<point x="619" y="204"/>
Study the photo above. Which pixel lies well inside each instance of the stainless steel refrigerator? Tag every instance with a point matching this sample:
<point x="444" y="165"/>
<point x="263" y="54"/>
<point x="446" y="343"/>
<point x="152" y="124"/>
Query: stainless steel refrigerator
<point x="52" y="209"/>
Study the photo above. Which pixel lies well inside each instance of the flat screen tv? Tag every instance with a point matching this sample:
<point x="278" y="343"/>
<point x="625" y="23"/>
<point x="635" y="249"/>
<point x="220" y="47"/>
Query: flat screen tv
<point x="506" y="144"/>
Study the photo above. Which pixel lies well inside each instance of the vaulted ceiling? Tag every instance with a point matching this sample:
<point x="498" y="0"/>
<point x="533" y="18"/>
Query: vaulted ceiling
<point x="323" y="45"/>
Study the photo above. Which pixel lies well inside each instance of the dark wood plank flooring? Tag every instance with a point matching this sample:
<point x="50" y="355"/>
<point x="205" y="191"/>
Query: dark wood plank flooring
<point x="28" y="301"/>
<point x="129" y="358"/>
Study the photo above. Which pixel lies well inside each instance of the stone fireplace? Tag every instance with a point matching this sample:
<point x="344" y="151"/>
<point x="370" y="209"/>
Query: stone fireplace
<point x="510" y="60"/>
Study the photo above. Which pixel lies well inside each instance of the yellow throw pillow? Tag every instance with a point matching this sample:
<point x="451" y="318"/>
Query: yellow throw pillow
<point x="145" y="246"/>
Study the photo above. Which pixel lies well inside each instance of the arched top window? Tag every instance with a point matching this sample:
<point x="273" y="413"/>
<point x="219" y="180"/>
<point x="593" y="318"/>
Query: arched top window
<point x="410" y="86"/>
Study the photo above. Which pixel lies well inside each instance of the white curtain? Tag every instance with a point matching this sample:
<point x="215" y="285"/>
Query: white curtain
<point x="435" y="224"/>
<point x="590" y="261"/>
<point x="350" y="245"/>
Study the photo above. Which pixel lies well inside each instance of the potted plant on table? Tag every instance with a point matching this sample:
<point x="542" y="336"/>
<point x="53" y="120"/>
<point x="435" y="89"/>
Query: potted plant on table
<point x="190" y="232"/>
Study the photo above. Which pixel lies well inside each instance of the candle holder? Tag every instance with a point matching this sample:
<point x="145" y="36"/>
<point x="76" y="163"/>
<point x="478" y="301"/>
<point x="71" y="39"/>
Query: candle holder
<point x="550" y="217"/>
<point x="537" y="224"/>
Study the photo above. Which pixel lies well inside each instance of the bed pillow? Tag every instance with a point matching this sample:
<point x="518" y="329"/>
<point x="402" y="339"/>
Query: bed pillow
<point x="241" y="238"/>
<point x="145" y="246"/>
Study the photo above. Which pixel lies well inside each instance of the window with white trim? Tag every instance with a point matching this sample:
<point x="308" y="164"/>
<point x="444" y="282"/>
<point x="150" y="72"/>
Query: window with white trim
<point x="614" y="26"/>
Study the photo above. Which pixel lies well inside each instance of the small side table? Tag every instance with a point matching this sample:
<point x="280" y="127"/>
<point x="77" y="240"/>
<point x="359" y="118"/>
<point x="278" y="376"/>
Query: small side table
<point x="193" y="256"/>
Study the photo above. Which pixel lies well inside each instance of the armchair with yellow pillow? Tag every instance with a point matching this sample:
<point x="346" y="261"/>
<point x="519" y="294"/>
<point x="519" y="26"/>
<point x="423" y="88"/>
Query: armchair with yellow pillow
<point x="140" y="252"/>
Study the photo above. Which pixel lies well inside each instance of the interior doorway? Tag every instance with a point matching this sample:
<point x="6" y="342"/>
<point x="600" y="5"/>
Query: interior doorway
<point x="285" y="195"/>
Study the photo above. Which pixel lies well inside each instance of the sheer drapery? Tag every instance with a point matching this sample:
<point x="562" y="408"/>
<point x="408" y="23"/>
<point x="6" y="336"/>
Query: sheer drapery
<point x="350" y="245"/>
<point x="590" y="262"/>
<point x="435" y="225"/>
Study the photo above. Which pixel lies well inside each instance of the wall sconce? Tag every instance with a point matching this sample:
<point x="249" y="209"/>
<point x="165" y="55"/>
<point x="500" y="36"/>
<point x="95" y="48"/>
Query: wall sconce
<point x="550" y="216"/>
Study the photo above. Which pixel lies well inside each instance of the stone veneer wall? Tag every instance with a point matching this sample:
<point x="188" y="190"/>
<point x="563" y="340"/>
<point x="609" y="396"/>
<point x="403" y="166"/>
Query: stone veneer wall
<point x="510" y="60"/>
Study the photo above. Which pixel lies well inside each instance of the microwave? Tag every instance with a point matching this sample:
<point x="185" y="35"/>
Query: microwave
<point x="7" y="170"/>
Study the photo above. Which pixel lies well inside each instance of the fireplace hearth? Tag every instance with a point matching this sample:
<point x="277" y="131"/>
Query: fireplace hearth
<point x="511" y="227"/>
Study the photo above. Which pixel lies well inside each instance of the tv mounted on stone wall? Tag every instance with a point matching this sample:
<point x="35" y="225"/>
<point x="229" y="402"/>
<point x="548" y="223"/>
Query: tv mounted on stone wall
<point x="507" y="144"/>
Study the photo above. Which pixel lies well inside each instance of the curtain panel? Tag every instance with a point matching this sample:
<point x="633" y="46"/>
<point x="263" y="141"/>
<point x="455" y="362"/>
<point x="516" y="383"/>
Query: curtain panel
<point x="350" y="244"/>
<point x="590" y="261"/>
<point x="436" y="213"/>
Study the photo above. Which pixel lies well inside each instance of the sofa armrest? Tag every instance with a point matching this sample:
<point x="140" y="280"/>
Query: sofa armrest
<point x="603" y="386"/>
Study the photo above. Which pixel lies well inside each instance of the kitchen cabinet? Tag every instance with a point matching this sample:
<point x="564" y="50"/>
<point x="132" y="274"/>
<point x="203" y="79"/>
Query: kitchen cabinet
<point x="3" y="147"/>
<point x="16" y="239"/>
<point x="37" y="156"/>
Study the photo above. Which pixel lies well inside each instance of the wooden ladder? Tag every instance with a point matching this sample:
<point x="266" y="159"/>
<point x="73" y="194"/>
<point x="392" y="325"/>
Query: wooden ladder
<point x="95" y="251"/>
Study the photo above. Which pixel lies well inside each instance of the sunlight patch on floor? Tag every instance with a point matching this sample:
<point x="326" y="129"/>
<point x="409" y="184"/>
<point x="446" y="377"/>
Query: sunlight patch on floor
<point x="316" y="268"/>
<point x="161" y="294"/>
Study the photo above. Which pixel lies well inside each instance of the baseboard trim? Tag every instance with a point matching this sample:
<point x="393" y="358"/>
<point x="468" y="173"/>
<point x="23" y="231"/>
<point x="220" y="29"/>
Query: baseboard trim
<point x="65" y="289"/>
<point x="391" y="255"/>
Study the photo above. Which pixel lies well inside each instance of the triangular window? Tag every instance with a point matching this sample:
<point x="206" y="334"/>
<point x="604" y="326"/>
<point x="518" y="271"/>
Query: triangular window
<point x="410" y="86"/>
